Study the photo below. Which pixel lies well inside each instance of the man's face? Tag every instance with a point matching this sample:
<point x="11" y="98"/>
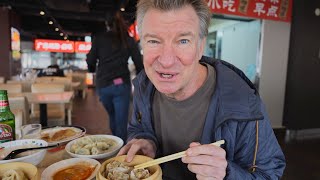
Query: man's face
<point x="172" y="49"/>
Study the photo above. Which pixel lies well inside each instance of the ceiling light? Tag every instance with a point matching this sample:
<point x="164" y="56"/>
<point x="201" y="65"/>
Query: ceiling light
<point x="50" y="22"/>
<point x="61" y="34"/>
<point x="56" y="29"/>
<point x="42" y="13"/>
<point x="65" y="37"/>
<point x="122" y="9"/>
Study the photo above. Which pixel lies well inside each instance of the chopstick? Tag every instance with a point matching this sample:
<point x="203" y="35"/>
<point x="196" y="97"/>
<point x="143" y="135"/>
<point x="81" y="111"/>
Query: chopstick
<point x="170" y="157"/>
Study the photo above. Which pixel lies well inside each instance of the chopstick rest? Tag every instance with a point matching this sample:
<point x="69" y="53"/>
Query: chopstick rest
<point x="170" y="157"/>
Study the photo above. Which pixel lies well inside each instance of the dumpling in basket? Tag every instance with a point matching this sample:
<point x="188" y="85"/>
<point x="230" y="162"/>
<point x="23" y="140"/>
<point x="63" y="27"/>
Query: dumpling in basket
<point x="137" y="174"/>
<point x="117" y="175"/>
<point x="117" y="166"/>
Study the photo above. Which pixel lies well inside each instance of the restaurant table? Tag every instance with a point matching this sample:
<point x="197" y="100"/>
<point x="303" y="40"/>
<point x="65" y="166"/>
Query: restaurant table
<point x="46" y="98"/>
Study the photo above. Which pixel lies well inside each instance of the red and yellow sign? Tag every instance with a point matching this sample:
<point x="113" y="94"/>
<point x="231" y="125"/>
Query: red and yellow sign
<point x="279" y="10"/>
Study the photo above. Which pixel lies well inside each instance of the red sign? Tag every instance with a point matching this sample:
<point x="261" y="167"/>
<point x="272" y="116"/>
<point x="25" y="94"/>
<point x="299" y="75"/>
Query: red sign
<point x="82" y="47"/>
<point x="54" y="45"/>
<point x="279" y="10"/>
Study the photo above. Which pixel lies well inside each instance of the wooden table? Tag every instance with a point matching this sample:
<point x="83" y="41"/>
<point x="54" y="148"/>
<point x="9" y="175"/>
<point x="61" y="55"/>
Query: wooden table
<point x="52" y="157"/>
<point x="46" y="98"/>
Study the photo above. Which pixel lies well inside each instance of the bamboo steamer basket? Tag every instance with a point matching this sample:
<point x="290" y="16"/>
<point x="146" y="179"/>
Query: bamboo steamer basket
<point x="155" y="171"/>
<point x="28" y="169"/>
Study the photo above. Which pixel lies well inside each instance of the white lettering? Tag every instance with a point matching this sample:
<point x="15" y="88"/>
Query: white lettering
<point x="229" y="4"/>
<point x="214" y="4"/>
<point x="259" y="9"/>
<point x="272" y="11"/>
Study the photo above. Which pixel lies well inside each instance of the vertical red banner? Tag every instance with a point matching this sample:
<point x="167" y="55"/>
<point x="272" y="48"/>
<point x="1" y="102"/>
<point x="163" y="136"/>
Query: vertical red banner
<point x="279" y="10"/>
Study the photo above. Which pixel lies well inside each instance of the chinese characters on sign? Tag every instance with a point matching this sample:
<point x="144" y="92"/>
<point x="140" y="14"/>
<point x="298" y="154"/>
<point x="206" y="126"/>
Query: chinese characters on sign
<point x="279" y="10"/>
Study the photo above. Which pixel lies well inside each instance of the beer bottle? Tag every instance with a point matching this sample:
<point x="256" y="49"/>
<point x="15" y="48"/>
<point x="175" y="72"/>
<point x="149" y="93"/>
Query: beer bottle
<point x="7" y="123"/>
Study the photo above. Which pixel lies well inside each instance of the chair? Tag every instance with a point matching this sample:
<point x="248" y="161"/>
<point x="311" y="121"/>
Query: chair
<point x="80" y="77"/>
<point x="1" y="79"/>
<point x="21" y="103"/>
<point x="26" y="85"/>
<point x="63" y="80"/>
<point x="12" y="88"/>
<point x="56" y="112"/>
<point x="18" y="117"/>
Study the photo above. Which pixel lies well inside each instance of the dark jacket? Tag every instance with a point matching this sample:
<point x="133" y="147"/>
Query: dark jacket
<point x="113" y="59"/>
<point x="234" y="109"/>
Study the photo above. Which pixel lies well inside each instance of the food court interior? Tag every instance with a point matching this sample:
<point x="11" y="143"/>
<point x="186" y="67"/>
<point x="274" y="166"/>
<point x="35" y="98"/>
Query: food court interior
<point x="281" y="58"/>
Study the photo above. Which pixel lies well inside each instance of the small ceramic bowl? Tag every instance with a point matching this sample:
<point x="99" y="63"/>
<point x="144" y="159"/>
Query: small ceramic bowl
<point x="34" y="157"/>
<point x="49" y="172"/>
<point x="106" y="154"/>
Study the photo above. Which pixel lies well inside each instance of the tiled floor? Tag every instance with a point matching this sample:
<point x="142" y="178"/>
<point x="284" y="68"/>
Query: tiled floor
<point x="303" y="157"/>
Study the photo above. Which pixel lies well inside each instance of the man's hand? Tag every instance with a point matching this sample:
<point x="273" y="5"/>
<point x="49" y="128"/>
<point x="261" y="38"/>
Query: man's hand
<point x="206" y="161"/>
<point x="138" y="146"/>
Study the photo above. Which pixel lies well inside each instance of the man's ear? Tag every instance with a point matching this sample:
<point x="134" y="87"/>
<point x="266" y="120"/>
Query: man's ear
<point x="202" y="44"/>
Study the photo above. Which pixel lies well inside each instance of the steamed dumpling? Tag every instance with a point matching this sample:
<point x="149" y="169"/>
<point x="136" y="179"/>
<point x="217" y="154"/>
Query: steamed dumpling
<point x="103" y="145"/>
<point x="14" y="174"/>
<point x="117" y="166"/>
<point x="84" y="141"/>
<point x="89" y="146"/>
<point x="83" y="151"/>
<point x="95" y="151"/>
<point x="74" y="147"/>
<point x="137" y="174"/>
<point x="116" y="175"/>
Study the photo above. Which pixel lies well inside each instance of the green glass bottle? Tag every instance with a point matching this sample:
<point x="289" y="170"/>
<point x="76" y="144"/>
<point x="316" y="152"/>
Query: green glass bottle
<point x="7" y="122"/>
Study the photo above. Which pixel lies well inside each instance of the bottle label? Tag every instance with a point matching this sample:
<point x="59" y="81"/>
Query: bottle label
<point x="4" y="103"/>
<point x="6" y="133"/>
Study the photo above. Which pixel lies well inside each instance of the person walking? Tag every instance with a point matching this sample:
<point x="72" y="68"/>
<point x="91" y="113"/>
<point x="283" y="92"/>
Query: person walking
<point x="109" y="58"/>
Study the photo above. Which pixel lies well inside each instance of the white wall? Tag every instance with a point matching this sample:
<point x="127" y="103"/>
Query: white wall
<point x="275" y="38"/>
<point x="240" y="44"/>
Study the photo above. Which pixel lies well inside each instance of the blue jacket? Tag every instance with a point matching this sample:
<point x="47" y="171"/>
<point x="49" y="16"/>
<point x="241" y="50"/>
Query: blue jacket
<point x="233" y="112"/>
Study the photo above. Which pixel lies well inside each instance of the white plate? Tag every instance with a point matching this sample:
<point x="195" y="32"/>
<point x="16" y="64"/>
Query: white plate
<point x="54" y="168"/>
<point x="34" y="157"/>
<point x="80" y="132"/>
<point x="112" y="151"/>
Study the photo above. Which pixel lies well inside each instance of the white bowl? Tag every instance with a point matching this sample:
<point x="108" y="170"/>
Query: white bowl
<point x="35" y="157"/>
<point x="54" y="168"/>
<point x="112" y="151"/>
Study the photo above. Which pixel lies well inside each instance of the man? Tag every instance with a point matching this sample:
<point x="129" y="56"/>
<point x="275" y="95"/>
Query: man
<point x="184" y="101"/>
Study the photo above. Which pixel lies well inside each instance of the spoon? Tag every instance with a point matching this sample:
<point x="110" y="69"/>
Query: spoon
<point x="14" y="153"/>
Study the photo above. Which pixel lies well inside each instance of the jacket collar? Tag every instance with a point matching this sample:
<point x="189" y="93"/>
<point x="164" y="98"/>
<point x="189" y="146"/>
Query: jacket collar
<point x="235" y="95"/>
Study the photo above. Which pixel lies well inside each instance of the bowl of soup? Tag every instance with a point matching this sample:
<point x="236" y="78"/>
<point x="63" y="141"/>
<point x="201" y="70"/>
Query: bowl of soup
<point x="117" y="169"/>
<point x="72" y="169"/>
